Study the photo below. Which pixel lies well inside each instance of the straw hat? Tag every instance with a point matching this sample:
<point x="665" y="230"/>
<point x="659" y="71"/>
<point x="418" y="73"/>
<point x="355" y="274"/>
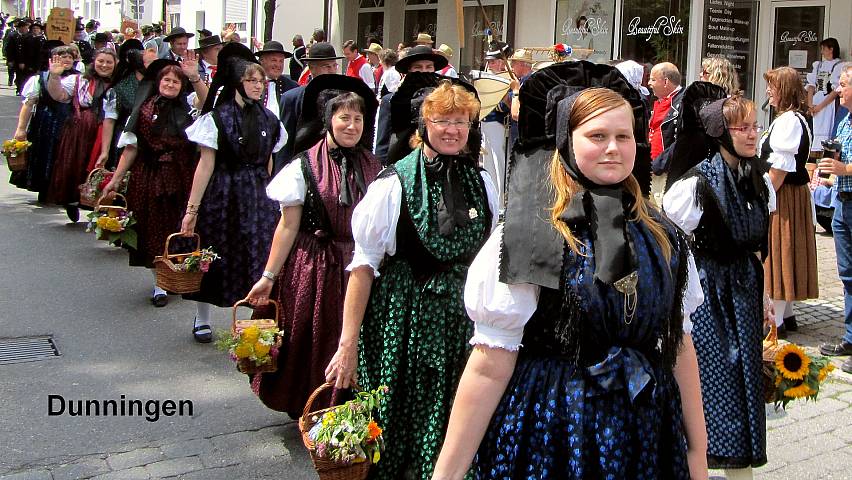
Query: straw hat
<point x="522" y="55"/>
<point x="424" y="39"/>
<point x="373" y="48"/>
<point x="446" y="51"/>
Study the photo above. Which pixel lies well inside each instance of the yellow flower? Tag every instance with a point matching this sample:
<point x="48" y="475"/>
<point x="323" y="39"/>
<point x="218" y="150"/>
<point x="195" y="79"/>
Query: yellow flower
<point x="243" y="350"/>
<point x="824" y="371"/>
<point x="792" y="362"/>
<point x="19" y="145"/>
<point x="261" y="349"/>
<point x="376" y="456"/>
<point x="250" y="334"/>
<point x="196" y="253"/>
<point x="802" y="390"/>
<point x="9" y="144"/>
<point x="777" y="380"/>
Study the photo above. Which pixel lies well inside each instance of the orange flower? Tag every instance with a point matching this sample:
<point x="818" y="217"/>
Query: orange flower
<point x="373" y="430"/>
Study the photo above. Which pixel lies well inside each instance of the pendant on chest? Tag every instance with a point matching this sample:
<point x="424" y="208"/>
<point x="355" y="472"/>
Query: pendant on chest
<point x="627" y="287"/>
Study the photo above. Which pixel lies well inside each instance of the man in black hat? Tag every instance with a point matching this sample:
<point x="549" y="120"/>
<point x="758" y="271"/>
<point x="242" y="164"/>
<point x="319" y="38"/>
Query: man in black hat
<point x="156" y="42"/>
<point x="321" y="59"/>
<point x="31" y="47"/>
<point x="178" y="40"/>
<point x="12" y="46"/>
<point x="208" y="49"/>
<point x="299" y="52"/>
<point x="204" y="33"/>
<point x="418" y="59"/>
<point x="81" y="40"/>
<point x="272" y="57"/>
<point x="16" y="48"/>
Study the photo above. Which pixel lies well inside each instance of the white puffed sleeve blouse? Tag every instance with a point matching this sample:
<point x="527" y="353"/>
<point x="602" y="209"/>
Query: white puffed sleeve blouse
<point x="501" y="311"/>
<point x="784" y="135"/>
<point x="204" y="132"/>
<point x="375" y="218"/>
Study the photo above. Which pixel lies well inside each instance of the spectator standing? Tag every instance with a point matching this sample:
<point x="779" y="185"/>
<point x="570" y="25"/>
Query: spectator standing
<point x="841" y="224"/>
<point x="299" y="52"/>
<point x="358" y="67"/>
<point x="821" y="88"/>
<point x="665" y="83"/>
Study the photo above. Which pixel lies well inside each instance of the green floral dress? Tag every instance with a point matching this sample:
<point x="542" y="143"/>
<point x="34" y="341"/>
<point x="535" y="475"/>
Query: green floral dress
<point x="415" y="333"/>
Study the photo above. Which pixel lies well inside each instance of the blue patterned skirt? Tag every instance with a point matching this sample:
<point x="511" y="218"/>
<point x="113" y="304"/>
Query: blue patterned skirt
<point x="558" y="422"/>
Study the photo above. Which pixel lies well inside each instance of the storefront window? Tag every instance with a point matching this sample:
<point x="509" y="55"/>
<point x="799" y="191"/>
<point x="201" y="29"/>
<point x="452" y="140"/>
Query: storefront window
<point x="370" y="28"/>
<point x="656" y="31"/>
<point x="478" y="35"/>
<point x="798" y="31"/>
<point x="730" y="31"/>
<point x="420" y="21"/>
<point x="586" y="25"/>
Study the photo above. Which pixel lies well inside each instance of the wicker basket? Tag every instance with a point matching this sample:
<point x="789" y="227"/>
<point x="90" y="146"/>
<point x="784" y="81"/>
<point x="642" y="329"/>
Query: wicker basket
<point x="770" y="349"/>
<point x="245" y="365"/>
<point x="107" y="208"/>
<point x="326" y="468"/>
<point x="88" y="192"/>
<point x="17" y="162"/>
<point x="172" y="280"/>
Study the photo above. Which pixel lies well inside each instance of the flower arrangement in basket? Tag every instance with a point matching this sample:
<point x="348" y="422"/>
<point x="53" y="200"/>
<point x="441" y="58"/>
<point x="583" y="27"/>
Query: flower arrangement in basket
<point x="789" y="372"/>
<point x="16" y="154"/>
<point x="252" y="343"/>
<point x="97" y="179"/>
<point x="113" y="223"/>
<point x="182" y="272"/>
<point x="345" y="440"/>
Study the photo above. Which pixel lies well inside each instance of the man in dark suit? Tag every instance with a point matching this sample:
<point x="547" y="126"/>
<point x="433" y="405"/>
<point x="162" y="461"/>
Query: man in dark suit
<point x="299" y="51"/>
<point x="31" y="52"/>
<point x="178" y="40"/>
<point x="272" y="57"/>
<point x="321" y="59"/>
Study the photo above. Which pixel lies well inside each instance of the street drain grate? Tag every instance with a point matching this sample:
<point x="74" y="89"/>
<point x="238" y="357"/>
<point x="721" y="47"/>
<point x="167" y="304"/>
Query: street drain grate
<point x="27" y="349"/>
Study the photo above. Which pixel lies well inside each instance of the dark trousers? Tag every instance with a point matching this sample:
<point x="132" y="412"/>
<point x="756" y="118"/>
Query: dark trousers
<point x="21" y="77"/>
<point x="10" y="69"/>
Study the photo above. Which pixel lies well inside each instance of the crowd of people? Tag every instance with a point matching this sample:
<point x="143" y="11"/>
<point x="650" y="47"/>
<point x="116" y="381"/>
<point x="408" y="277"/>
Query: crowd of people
<point x="570" y="288"/>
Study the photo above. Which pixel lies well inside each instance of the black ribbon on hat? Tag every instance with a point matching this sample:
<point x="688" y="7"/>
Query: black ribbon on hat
<point x="604" y="207"/>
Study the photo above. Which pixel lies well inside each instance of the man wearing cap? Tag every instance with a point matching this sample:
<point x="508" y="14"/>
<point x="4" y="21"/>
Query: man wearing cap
<point x="321" y="59"/>
<point x="178" y="40"/>
<point x="424" y="39"/>
<point x="418" y="59"/>
<point x="299" y="52"/>
<point x="208" y="51"/>
<point x="272" y="57"/>
<point x="447" y="52"/>
<point x="358" y="66"/>
<point x="81" y="40"/>
<point x="372" y="53"/>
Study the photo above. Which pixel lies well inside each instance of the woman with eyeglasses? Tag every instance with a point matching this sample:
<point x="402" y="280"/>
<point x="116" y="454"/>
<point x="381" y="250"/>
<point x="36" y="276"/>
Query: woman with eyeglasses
<point x="725" y="203"/>
<point x="416" y="231"/>
<point x="306" y="270"/>
<point x="790" y="269"/>
<point x="228" y="206"/>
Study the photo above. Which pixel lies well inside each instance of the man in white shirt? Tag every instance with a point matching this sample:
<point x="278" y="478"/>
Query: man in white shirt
<point x="358" y="66"/>
<point x="272" y="57"/>
<point x="208" y="51"/>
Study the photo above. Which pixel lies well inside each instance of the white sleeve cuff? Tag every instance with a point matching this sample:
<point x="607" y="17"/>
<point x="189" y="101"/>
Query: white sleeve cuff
<point x="363" y="258"/>
<point x="126" y="138"/>
<point x="784" y="161"/>
<point x="495" y="337"/>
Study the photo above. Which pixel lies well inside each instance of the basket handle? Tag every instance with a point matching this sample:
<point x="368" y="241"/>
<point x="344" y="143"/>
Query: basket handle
<point x="89" y="176"/>
<point x="246" y="302"/>
<point x="169" y="239"/>
<point x="325" y="386"/>
<point x="116" y="194"/>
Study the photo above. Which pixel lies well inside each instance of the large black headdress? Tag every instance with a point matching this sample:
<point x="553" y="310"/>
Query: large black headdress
<point x="231" y="64"/>
<point x="691" y="144"/>
<point x="406" y="118"/>
<point x="532" y="248"/>
<point x="316" y="117"/>
<point x="173" y="116"/>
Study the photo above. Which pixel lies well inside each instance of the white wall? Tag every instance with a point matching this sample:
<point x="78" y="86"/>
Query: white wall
<point x="214" y="17"/>
<point x="295" y="16"/>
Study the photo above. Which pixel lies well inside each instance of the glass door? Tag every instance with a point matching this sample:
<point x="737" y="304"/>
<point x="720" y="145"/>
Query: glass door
<point x="478" y="33"/>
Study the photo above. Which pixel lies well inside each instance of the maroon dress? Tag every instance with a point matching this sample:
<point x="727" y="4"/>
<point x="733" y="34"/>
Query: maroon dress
<point x="160" y="181"/>
<point x="312" y="282"/>
<point x="75" y="145"/>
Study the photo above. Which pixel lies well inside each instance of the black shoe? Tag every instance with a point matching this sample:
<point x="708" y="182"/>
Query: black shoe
<point x="782" y="332"/>
<point x="160" y="300"/>
<point x="73" y="213"/>
<point x="835" y="349"/>
<point x="847" y="365"/>
<point x="206" y="335"/>
<point x="791" y="324"/>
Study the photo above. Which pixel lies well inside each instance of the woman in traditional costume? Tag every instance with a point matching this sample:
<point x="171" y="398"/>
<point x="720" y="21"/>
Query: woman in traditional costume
<point x="46" y="117"/>
<point x="582" y="366"/>
<point x="822" y="83"/>
<point x="228" y="206"/>
<point x="86" y="94"/>
<point x="725" y="202"/>
<point x="416" y="231"/>
<point x="160" y="158"/>
<point x="318" y="191"/>
<point x="790" y="268"/>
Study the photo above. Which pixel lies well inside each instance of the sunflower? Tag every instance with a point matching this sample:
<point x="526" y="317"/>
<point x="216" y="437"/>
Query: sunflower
<point x="792" y="362"/>
<point x="824" y="371"/>
<point x="799" y="391"/>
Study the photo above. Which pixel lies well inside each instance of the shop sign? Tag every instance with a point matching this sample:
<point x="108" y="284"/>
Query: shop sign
<point x="805" y="36"/>
<point x="595" y="26"/>
<point x="663" y="25"/>
<point x="728" y="34"/>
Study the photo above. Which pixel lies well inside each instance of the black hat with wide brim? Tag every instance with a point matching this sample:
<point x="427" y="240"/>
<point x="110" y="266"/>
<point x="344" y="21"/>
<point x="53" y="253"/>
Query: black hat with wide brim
<point x="208" y="41"/>
<point x="231" y="64"/>
<point x="127" y="46"/>
<point x="421" y="52"/>
<point x="178" y="32"/>
<point x="318" y="93"/>
<point x="273" y="46"/>
<point x="405" y="112"/>
<point x="321" y="51"/>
